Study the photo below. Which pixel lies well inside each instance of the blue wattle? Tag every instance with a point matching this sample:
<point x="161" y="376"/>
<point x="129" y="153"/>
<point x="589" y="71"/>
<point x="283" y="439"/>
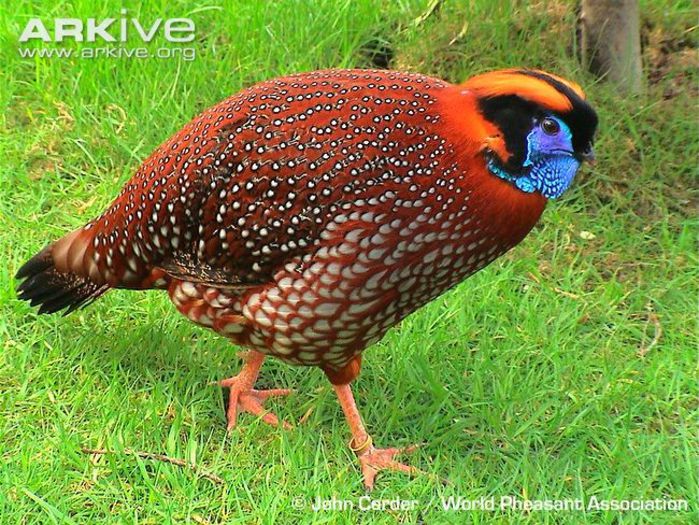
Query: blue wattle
<point x="549" y="167"/>
<point x="550" y="174"/>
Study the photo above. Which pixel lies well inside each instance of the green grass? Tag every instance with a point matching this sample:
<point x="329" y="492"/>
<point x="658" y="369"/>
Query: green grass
<point x="567" y="369"/>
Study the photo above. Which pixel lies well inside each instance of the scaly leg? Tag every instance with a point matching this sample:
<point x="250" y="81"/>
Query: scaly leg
<point x="371" y="459"/>
<point x="243" y="398"/>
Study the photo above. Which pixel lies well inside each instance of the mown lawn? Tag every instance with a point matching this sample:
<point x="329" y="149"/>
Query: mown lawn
<point x="565" y="370"/>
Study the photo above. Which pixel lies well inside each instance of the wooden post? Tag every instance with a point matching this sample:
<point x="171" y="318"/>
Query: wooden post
<point x="611" y="42"/>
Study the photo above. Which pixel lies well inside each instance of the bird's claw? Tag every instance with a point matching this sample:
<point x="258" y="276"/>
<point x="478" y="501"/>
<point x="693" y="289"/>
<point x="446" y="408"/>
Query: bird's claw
<point x="251" y="401"/>
<point x="373" y="460"/>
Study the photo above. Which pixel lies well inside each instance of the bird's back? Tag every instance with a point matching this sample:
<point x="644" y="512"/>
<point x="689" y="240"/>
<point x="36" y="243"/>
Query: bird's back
<point x="305" y="215"/>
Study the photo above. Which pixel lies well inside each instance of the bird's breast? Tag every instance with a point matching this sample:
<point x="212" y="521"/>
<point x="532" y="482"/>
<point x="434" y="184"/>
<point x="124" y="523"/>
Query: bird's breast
<point x="372" y="270"/>
<point x="355" y="219"/>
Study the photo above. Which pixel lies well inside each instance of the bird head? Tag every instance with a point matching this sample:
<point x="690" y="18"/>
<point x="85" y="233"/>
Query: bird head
<point x="539" y="128"/>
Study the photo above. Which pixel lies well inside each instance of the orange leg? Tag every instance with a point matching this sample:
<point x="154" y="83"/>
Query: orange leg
<point x="243" y="398"/>
<point x="371" y="459"/>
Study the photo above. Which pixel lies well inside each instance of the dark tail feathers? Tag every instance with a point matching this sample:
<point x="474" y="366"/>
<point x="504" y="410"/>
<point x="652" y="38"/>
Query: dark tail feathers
<point x="53" y="290"/>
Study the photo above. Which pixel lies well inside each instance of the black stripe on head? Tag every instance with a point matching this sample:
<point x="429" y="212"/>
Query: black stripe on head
<point x="514" y="117"/>
<point x="581" y="119"/>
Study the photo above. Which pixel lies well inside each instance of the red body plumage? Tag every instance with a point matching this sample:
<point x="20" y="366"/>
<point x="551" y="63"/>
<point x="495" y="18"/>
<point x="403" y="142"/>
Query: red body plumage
<point x="305" y="216"/>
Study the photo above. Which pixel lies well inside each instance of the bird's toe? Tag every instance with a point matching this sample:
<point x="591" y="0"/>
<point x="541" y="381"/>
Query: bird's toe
<point x="374" y="460"/>
<point x="252" y="402"/>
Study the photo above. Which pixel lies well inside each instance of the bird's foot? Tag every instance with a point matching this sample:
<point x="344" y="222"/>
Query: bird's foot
<point x="373" y="460"/>
<point x="252" y="401"/>
<point x="243" y="398"/>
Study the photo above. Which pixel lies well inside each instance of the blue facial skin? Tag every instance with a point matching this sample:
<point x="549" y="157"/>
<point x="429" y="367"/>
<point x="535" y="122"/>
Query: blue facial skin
<point x="550" y="165"/>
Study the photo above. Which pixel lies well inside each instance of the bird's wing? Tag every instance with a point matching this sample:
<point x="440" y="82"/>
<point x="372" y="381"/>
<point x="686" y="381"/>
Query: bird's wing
<point x="270" y="175"/>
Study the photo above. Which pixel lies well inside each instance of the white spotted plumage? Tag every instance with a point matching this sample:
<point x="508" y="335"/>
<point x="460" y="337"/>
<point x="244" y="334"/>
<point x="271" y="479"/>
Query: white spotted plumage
<point x="306" y="215"/>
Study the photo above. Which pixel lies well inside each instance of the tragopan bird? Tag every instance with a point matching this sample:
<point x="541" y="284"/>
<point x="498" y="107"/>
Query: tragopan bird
<point x="306" y="215"/>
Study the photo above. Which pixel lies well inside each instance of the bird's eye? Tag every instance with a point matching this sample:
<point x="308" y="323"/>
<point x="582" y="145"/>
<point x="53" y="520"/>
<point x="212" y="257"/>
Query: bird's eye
<point x="550" y="126"/>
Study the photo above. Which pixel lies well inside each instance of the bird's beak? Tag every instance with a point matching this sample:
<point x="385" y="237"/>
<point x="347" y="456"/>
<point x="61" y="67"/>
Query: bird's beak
<point x="589" y="156"/>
